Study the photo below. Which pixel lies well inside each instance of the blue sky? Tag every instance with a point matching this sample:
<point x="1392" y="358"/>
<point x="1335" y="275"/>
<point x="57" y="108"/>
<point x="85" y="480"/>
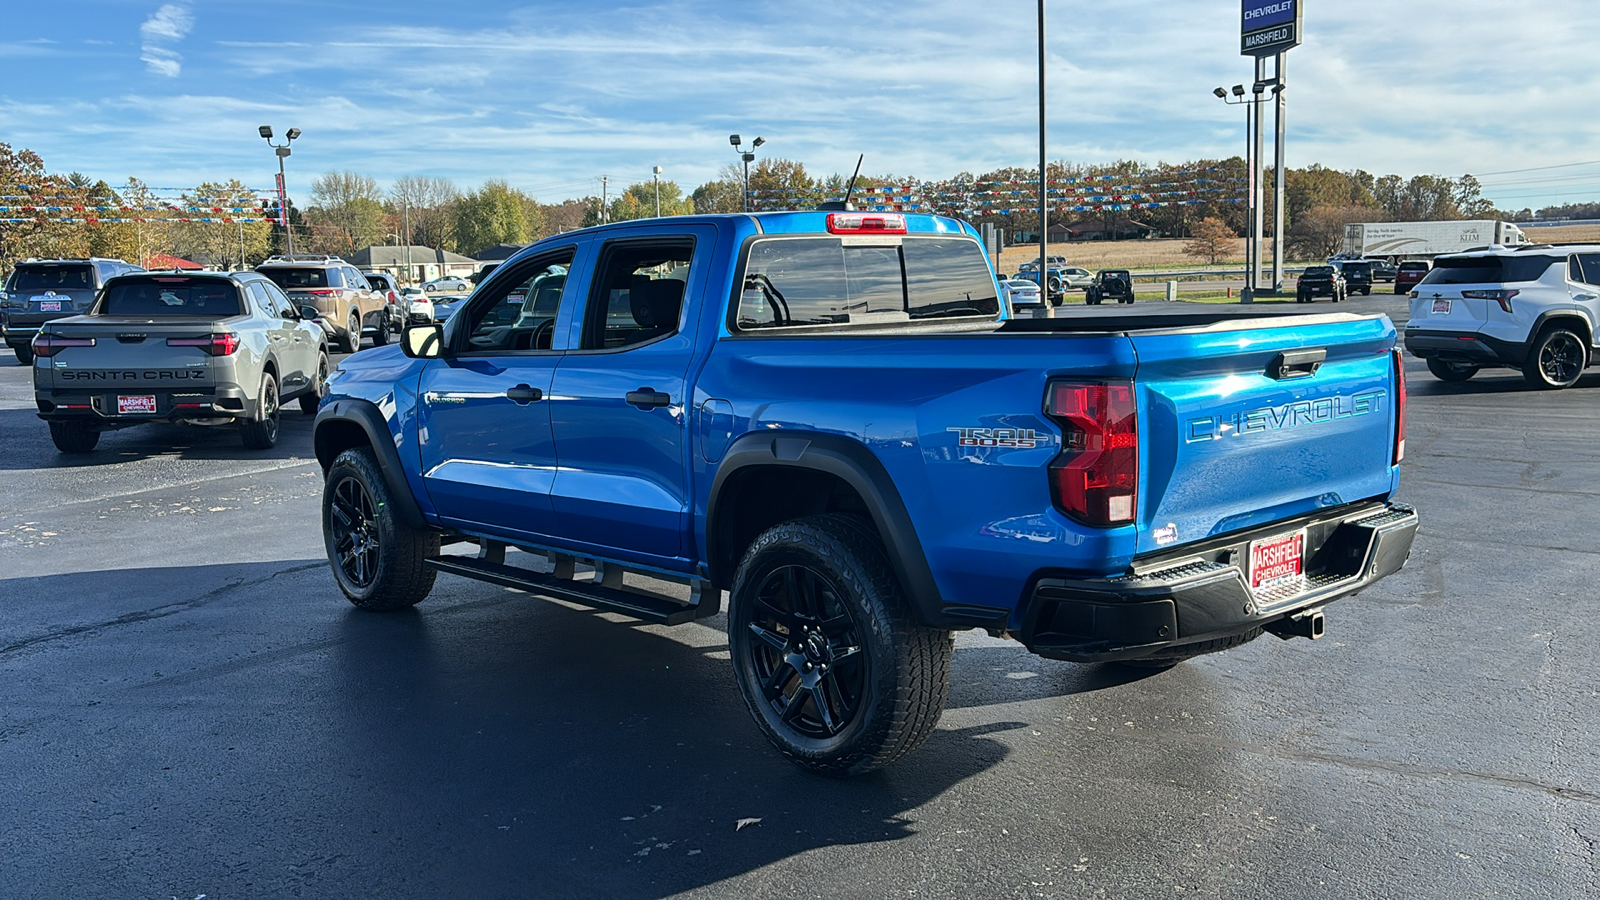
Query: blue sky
<point x="550" y="96"/>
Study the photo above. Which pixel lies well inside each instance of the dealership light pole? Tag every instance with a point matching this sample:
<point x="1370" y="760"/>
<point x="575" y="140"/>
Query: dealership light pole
<point x="283" y="197"/>
<point x="1044" y="210"/>
<point x="1269" y="28"/>
<point x="1252" y="231"/>
<point x="748" y="157"/>
<point x="656" y="177"/>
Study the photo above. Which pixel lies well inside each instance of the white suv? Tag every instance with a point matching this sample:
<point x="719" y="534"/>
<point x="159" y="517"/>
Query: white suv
<point x="1533" y="308"/>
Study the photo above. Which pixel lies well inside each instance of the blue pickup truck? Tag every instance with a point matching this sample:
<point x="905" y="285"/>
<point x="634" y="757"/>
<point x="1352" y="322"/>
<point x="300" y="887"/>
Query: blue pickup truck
<point x="826" y="416"/>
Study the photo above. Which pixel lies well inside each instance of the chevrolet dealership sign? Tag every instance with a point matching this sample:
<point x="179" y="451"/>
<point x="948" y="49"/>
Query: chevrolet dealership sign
<point x="1269" y="27"/>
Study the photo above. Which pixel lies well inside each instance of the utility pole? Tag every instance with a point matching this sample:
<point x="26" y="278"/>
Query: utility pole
<point x="1279" y="181"/>
<point x="407" y="202"/>
<point x="605" y="182"/>
<point x="1044" y="208"/>
<point x="656" y="176"/>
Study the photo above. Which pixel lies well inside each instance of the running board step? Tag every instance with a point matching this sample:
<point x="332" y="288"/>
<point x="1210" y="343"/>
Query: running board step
<point x="659" y="610"/>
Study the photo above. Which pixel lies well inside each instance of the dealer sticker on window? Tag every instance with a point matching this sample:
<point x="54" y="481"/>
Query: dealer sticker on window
<point x="1277" y="562"/>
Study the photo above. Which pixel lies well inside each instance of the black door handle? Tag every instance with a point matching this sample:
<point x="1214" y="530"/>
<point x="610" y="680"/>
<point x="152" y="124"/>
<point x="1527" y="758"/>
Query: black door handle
<point x="645" y="398"/>
<point x="522" y="395"/>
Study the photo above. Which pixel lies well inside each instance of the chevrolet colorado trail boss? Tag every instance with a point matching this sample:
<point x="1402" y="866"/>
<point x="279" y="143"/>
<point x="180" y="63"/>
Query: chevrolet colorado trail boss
<point x="826" y="416"/>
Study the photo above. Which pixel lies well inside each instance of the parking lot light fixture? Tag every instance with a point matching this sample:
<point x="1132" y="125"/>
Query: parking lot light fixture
<point x="655" y="176"/>
<point x="748" y="157"/>
<point x="282" y="150"/>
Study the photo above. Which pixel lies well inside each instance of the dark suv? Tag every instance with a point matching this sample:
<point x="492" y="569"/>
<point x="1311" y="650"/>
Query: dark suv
<point x="1110" y="284"/>
<point x="40" y="290"/>
<point x="348" y="305"/>
<point x="1320" y="281"/>
<point x="1357" y="275"/>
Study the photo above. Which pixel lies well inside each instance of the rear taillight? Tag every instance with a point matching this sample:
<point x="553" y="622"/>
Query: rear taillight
<point x="214" y="344"/>
<point x="50" y="345"/>
<point x="322" y="292"/>
<point x="1096" y="478"/>
<point x="1399" y="405"/>
<point x="1501" y="297"/>
<point x="393" y="299"/>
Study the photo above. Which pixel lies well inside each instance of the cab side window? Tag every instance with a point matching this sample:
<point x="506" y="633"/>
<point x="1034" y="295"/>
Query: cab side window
<point x="638" y="293"/>
<point x="522" y="317"/>
<point x="1584" y="268"/>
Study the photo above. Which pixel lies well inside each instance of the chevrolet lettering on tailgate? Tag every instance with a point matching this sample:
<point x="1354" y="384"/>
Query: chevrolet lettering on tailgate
<point x="1289" y="415"/>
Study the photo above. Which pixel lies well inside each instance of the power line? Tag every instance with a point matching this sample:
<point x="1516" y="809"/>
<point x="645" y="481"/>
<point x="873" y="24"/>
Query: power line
<point x="1595" y="162"/>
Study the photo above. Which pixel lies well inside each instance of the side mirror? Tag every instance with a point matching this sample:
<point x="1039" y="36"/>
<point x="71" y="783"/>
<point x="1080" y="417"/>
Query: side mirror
<point x="424" y="341"/>
<point x="310" y="313"/>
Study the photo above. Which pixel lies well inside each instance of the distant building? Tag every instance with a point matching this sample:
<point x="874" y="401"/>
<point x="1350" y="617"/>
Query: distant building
<point x="418" y="265"/>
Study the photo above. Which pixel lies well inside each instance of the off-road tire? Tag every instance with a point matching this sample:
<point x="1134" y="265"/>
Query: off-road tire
<point x="1171" y="658"/>
<point x="1450" y="371"/>
<point x="394" y="573"/>
<point x="350" y="341"/>
<point x="900" y="671"/>
<point x="1556" y="360"/>
<point x="24" y="355"/>
<point x="261" y="432"/>
<point x="312" y="399"/>
<point x="74" y="437"/>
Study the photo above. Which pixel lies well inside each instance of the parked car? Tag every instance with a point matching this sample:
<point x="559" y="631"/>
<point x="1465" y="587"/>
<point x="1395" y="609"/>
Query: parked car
<point x="42" y="290"/>
<point x="396" y="305"/>
<point x="1022" y="295"/>
<point x="445" y="305"/>
<point x="1408" y="273"/>
<point x="349" y="306"/>
<point x="1320" y="281"/>
<point x="1382" y="269"/>
<point x="449" y="283"/>
<point x="1357" y="275"/>
<point x="861" y="480"/>
<point x="1074" y="278"/>
<point x="1533" y="309"/>
<point x="1055" y="287"/>
<point x="1110" y="284"/>
<point x="202" y="348"/>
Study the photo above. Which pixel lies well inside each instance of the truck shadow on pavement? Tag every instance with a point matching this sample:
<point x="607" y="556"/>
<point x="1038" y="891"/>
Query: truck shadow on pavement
<point x="29" y="446"/>
<point x="1489" y="381"/>
<point x="569" y="755"/>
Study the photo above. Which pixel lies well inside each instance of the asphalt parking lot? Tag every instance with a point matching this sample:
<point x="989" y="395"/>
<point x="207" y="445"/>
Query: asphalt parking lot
<point x="188" y="706"/>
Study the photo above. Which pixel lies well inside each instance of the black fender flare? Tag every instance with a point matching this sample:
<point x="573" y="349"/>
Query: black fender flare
<point x="856" y="466"/>
<point x="364" y="414"/>
<point x="1559" y="316"/>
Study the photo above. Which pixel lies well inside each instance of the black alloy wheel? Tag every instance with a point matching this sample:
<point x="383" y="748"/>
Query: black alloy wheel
<point x="1556" y="360"/>
<point x="829" y="658"/>
<point x="807" y="653"/>
<point x="354" y="532"/>
<point x="312" y="399"/>
<point x="261" y="433"/>
<point x="379" y="561"/>
<point x="380" y="336"/>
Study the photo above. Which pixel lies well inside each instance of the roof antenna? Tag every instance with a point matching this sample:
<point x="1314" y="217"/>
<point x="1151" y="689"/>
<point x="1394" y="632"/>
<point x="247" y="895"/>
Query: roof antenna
<point x="844" y="205"/>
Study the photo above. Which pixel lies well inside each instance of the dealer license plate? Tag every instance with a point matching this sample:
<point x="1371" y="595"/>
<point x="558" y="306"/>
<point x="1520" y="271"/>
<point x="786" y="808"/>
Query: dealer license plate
<point x="50" y="306"/>
<point x="1441" y="307"/>
<point x="144" y="403"/>
<point x="1278" y="562"/>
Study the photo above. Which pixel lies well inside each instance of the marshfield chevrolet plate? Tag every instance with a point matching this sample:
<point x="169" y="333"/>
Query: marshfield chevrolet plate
<point x="1278" y="562"/>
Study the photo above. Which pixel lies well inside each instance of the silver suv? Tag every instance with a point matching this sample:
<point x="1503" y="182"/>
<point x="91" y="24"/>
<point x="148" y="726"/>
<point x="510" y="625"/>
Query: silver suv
<point x="40" y="290"/>
<point x="347" y="303"/>
<point x="202" y="348"/>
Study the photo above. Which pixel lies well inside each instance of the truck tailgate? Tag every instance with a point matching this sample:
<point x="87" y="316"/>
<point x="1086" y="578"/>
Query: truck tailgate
<point x="132" y="353"/>
<point x="1249" y="422"/>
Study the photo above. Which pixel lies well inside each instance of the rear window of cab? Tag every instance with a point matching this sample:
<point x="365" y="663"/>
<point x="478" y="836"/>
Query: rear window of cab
<point x="210" y="297"/>
<point x="822" y="281"/>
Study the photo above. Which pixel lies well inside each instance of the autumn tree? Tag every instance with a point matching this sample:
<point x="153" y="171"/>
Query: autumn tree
<point x="639" y="202"/>
<point x="1211" y="240"/>
<point x="1319" y="232"/>
<point x="219" y="243"/>
<point x="429" y="206"/>
<point x="346" y="213"/>
<point x="496" y="213"/>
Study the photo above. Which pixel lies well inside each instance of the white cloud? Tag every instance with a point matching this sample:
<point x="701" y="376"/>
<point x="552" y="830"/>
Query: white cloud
<point x="169" y="24"/>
